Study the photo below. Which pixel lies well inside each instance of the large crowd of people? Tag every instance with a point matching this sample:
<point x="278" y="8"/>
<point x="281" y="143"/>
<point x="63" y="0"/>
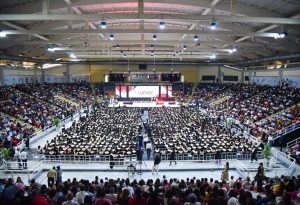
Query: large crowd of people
<point x="251" y="106"/>
<point x="104" y="131"/>
<point x="27" y="109"/>
<point x="188" y="131"/>
<point x="282" y="190"/>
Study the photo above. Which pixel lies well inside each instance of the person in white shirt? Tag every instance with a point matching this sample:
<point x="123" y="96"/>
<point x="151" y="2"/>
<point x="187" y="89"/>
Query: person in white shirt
<point x="130" y="189"/>
<point x="145" y="140"/>
<point x="17" y="155"/>
<point x="80" y="195"/>
<point x="112" y="195"/>
<point x="70" y="200"/>
<point x="231" y="182"/>
<point x="148" y="148"/>
<point x="23" y="157"/>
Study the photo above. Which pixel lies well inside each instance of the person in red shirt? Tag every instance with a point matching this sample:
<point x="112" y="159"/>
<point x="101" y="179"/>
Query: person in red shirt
<point x="138" y="199"/>
<point x="37" y="199"/>
<point x="101" y="198"/>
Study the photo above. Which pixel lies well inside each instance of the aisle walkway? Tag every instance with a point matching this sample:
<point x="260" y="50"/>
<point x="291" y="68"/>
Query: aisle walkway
<point x="145" y="117"/>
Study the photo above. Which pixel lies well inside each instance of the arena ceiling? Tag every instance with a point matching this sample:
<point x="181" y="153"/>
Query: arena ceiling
<point x="71" y="29"/>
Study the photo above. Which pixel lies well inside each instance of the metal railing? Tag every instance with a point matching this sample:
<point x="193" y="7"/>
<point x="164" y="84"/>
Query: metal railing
<point x="286" y="160"/>
<point x="287" y="130"/>
<point x="126" y="159"/>
<point x="293" y="143"/>
<point x="241" y="169"/>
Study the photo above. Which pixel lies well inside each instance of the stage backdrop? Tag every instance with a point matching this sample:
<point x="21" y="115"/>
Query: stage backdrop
<point x="139" y="91"/>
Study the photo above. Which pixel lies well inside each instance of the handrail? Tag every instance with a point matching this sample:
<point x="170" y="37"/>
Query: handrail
<point x="285" y="159"/>
<point x="287" y="130"/>
<point x="293" y="142"/>
<point x="242" y="169"/>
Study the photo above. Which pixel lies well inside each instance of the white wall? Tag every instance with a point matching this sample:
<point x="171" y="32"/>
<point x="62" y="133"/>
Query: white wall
<point x="273" y="77"/>
<point x="16" y="76"/>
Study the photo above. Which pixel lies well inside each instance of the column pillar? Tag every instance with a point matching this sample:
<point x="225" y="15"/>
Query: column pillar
<point x="2" y="76"/>
<point x="68" y="73"/>
<point x="242" y="80"/>
<point x="35" y="70"/>
<point x="219" y="74"/>
<point x="43" y="76"/>
<point x="280" y="76"/>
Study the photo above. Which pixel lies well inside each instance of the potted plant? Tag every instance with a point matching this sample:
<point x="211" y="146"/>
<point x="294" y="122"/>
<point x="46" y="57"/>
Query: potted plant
<point x="56" y="122"/>
<point x="5" y="153"/>
<point x="267" y="152"/>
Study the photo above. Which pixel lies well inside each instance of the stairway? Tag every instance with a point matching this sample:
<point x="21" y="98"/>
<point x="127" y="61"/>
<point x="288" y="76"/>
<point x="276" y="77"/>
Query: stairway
<point x="190" y="98"/>
<point x="66" y="100"/>
<point x="220" y="100"/>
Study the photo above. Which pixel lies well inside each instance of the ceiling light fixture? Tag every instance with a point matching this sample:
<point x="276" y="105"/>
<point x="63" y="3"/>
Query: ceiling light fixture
<point x="162" y="25"/>
<point x="111" y="37"/>
<point x="103" y="24"/>
<point x="154" y="37"/>
<point x="213" y="56"/>
<point x="213" y="25"/>
<point x="50" y="49"/>
<point x="2" y="34"/>
<point x="184" y="47"/>
<point x="281" y="35"/>
<point x="196" y="38"/>
<point x="72" y="55"/>
<point x="117" y="46"/>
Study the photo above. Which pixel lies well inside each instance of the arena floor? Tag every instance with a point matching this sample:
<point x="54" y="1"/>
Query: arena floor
<point x="182" y="170"/>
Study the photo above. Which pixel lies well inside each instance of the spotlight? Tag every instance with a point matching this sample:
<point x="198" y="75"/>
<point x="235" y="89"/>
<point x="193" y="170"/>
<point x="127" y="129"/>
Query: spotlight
<point x="111" y="37"/>
<point x="152" y="53"/>
<point x="154" y="38"/>
<point x="196" y="38"/>
<point x="234" y="50"/>
<point x="117" y="46"/>
<point x="184" y="47"/>
<point x="162" y="25"/>
<point x="213" y="25"/>
<point x="103" y="24"/>
<point x="51" y="49"/>
<point x="2" y="35"/>
<point x="281" y="35"/>
<point x="152" y="46"/>
<point x="124" y="55"/>
<point x="213" y="56"/>
<point x="72" y="55"/>
<point x="86" y="44"/>
<point x="230" y="51"/>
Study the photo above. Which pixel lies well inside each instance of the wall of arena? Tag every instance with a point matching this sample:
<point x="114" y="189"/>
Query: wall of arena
<point x="192" y="73"/>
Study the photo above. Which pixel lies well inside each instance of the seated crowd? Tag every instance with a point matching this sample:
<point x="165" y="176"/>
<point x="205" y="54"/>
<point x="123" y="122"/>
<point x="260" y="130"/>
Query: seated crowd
<point x="249" y="105"/>
<point x="188" y="131"/>
<point x="173" y="191"/>
<point x="27" y="108"/>
<point x="104" y="131"/>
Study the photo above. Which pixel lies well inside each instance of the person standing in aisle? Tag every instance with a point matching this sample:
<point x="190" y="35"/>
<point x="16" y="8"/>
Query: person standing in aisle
<point x="52" y="174"/>
<point x="23" y="157"/>
<point x="157" y="160"/>
<point x="172" y="157"/>
<point x="149" y="149"/>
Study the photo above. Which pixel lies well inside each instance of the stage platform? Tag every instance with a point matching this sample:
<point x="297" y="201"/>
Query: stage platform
<point x="144" y="104"/>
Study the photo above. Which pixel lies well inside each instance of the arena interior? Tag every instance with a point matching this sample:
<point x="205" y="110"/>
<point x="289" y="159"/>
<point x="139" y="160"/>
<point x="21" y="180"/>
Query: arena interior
<point x="146" y="102"/>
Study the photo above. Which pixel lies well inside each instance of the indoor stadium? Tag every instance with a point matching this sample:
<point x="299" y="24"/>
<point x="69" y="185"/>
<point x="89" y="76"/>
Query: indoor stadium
<point x="149" y="102"/>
